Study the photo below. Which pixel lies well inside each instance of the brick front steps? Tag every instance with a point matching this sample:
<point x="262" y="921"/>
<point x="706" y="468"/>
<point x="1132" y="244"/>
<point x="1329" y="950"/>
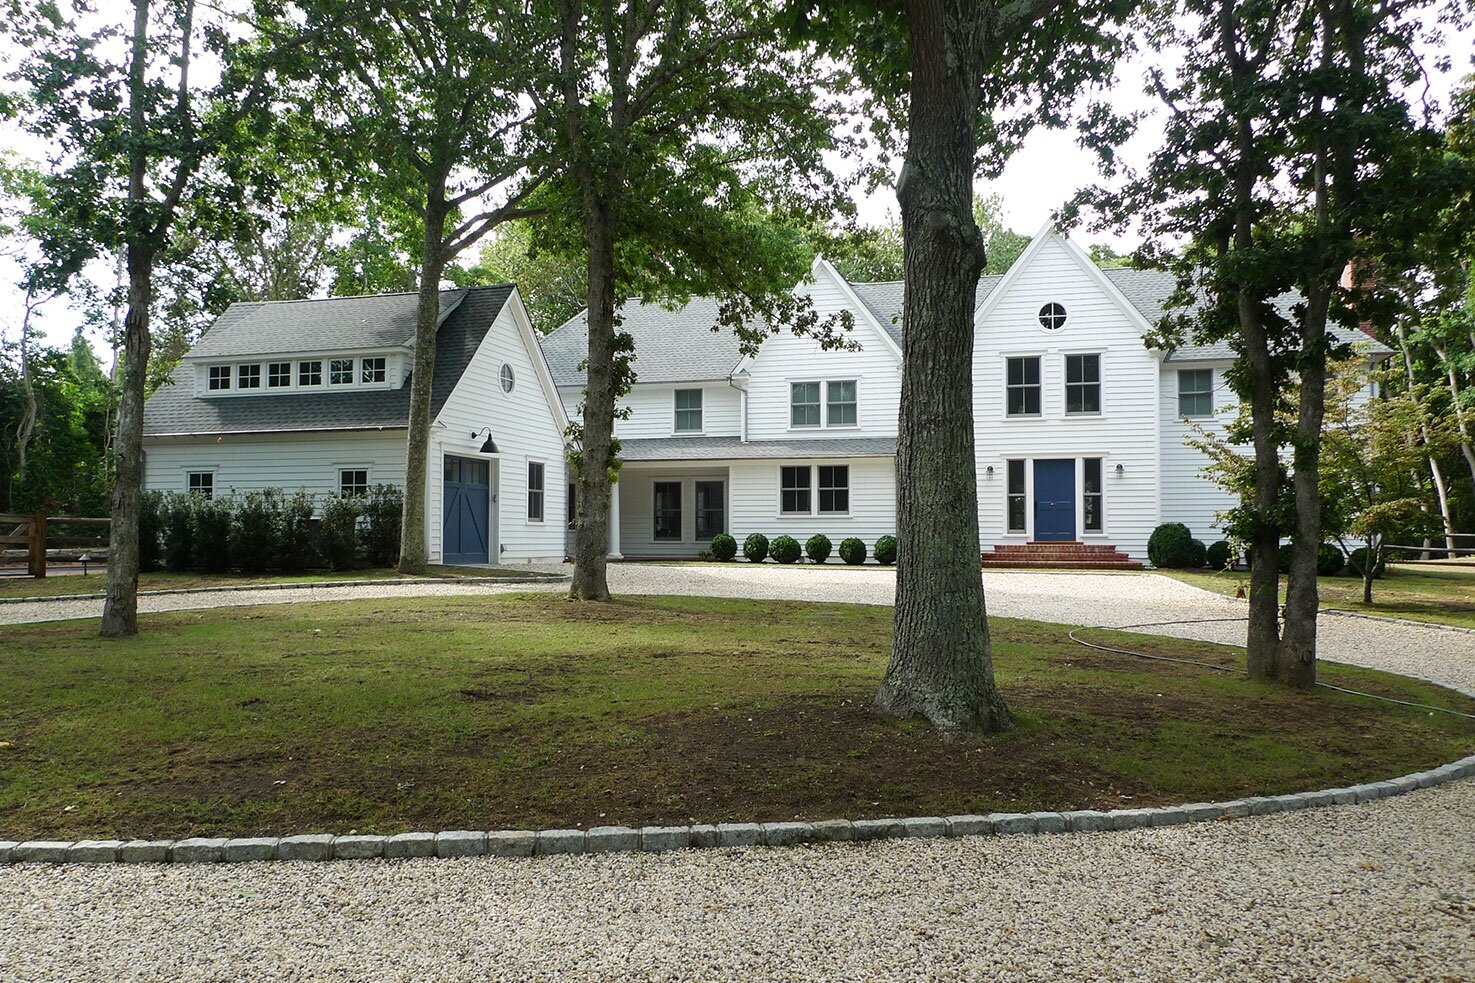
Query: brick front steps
<point x="1067" y="556"/>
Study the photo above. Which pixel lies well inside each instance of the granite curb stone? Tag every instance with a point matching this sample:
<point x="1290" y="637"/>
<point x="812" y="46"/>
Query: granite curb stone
<point x="41" y="851"/>
<point x="463" y="843"/>
<point x="1009" y="823"/>
<point x="924" y="827"/>
<point x="552" y="841"/>
<point x="704" y="836"/>
<point x="403" y="846"/>
<point x="739" y="834"/>
<point x="611" y="839"/>
<point x="6" y="848"/>
<point x="310" y="846"/>
<point x="659" y="838"/>
<point x="246" y="849"/>
<point x="144" y="852"/>
<point x="197" y="850"/>
<point x="877" y="829"/>
<point x="511" y="843"/>
<point x="787" y="834"/>
<point x="833" y="831"/>
<point x="970" y="826"/>
<point x="358" y="847"/>
<point x="93" y="851"/>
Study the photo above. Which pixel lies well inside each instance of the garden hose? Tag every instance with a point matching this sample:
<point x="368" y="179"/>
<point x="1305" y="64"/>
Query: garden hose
<point x="1218" y="668"/>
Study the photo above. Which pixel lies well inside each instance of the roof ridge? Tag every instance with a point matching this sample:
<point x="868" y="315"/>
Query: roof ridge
<point x="375" y="296"/>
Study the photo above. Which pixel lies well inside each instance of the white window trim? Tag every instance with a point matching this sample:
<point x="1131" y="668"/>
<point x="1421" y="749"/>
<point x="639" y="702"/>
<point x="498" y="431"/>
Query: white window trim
<point x="1178" y="396"/>
<point x="1028" y="496"/>
<point x="825" y="411"/>
<point x="230" y="378"/>
<point x="266" y="374"/>
<point x="363" y="363"/>
<point x="1065" y="385"/>
<point x="849" y="489"/>
<point x="789" y="407"/>
<point x="1004" y="358"/>
<point x="392" y="377"/>
<point x="363" y="466"/>
<point x="212" y="470"/>
<point x="528" y="489"/>
<point x="1081" y="529"/>
<point x="1050" y="332"/>
<point x="260" y="375"/>
<point x="779" y="512"/>
<point x="677" y="410"/>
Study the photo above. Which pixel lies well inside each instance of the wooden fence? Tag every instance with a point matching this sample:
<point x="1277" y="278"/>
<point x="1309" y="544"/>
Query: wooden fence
<point x="33" y="531"/>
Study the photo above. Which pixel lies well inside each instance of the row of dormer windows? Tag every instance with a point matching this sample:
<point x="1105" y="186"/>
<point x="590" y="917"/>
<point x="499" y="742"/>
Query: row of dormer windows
<point x="302" y="374"/>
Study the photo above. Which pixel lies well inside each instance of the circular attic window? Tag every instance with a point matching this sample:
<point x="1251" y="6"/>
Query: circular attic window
<point x="508" y="379"/>
<point x="1052" y="316"/>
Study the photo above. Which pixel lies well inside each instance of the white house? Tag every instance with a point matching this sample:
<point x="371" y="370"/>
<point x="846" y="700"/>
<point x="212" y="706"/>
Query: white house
<point x="1080" y="427"/>
<point x="314" y="394"/>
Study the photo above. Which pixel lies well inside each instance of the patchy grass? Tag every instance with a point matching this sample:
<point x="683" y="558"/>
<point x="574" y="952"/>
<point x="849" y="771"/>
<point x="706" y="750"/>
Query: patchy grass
<point x="1442" y="594"/>
<point x="532" y="711"/>
<point x="96" y="581"/>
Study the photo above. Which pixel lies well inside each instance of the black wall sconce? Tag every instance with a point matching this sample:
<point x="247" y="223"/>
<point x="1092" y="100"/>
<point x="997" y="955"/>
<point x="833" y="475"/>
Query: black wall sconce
<point x="490" y="446"/>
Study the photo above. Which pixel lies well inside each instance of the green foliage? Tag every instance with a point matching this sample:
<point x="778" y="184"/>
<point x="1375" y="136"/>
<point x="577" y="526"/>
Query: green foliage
<point x="66" y="472"/>
<point x="853" y="551"/>
<point x="724" y="547"/>
<point x="255" y="529"/>
<point x="1171" y="546"/>
<point x="874" y="253"/>
<point x="818" y="548"/>
<point x="1357" y="562"/>
<point x="337" y="539"/>
<point x="553" y="285"/>
<point x="1330" y="560"/>
<point x="178" y="523"/>
<point x="785" y="549"/>
<point x="210" y="537"/>
<point x="296" y="534"/>
<point x="382" y="511"/>
<point x="886" y="550"/>
<point x="1219" y="556"/>
<point x="150" y="531"/>
<point x="755" y="547"/>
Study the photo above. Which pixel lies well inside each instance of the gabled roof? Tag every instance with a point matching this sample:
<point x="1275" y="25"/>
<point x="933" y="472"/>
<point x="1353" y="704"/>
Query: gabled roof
<point x="175" y="410"/>
<point x="884" y="298"/>
<point x="371" y="323"/>
<point x="670" y="345"/>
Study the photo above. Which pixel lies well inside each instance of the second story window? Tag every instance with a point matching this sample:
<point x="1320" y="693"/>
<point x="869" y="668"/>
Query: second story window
<point x="373" y="370"/>
<point x="1195" y="392"/>
<point x="1083" y="383"/>
<point x="688" y="411"/>
<point x="804" y="404"/>
<point x="840" y="404"/>
<point x="340" y="372"/>
<point x="248" y="377"/>
<point x="1022" y="386"/>
<point x="309" y="373"/>
<point x="219" y="377"/>
<point x="353" y="483"/>
<point x="202" y="483"/>
<point x="278" y="375"/>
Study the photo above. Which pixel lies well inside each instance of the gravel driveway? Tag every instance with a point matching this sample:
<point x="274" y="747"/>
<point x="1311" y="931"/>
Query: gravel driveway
<point x="1378" y="891"/>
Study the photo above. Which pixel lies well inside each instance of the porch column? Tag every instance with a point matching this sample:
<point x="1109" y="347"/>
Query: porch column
<point x="614" y="521"/>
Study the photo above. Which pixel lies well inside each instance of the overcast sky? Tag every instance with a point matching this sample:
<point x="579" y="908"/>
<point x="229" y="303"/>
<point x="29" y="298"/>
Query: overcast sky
<point x="1048" y="169"/>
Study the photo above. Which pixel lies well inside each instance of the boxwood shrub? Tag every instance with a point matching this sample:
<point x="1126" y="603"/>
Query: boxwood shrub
<point x="818" y="548"/>
<point x="1329" y="560"/>
<point x="785" y="549"/>
<point x="886" y="550"/>
<point x="723" y="547"/>
<point x="1198" y="554"/>
<point x="1357" y="563"/>
<point x="1171" y="546"/>
<point x="755" y="547"/>
<point x="383" y="511"/>
<point x="254" y="531"/>
<point x="210" y="539"/>
<point x="337" y="533"/>
<point x="1219" y="555"/>
<point x="295" y="536"/>
<point x="853" y="551"/>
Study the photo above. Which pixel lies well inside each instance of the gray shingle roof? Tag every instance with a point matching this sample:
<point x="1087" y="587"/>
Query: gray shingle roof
<point x="731" y="448"/>
<point x="175" y="410"/>
<point x="370" y="323"/>
<point x="670" y="345"/>
<point x="884" y="300"/>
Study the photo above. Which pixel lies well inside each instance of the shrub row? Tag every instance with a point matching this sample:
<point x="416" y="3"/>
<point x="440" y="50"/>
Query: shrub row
<point x="268" y="530"/>
<point x="786" y="549"/>
<point x="1172" y="546"/>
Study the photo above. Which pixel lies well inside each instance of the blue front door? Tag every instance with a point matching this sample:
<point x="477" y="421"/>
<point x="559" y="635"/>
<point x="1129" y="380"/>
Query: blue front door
<point x="466" y="498"/>
<point x="1055" y="500"/>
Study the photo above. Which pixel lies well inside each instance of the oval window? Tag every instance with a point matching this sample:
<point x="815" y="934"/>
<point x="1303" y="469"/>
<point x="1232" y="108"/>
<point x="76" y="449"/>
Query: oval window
<point x="1052" y="317"/>
<point x="508" y="379"/>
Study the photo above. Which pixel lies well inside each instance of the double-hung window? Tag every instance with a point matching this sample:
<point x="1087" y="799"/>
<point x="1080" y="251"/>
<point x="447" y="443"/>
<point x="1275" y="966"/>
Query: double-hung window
<point x="667" y="509"/>
<point x="795" y="492"/>
<point x="688" y="411"/>
<point x="372" y="369"/>
<point x="1195" y="392"/>
<point x="1092" y="515"/>
<point x="248" y="377"/>
<point x="202" y="483"/>
<point x="834" y="489"/>
<point x="1016" y="496"/>
<point x="340" y="372"/>
<point x="278" y="374"/>
<point x="840" y="404"/>
<point x="309" y="373"/>
<point x="1083" y="384"/>
<point x="219" y="377"/>
<point x="535" y="491"/>
<point x="1022" y="385"/>
<point x="353" y="483"/>
<point x="804" y="404"/>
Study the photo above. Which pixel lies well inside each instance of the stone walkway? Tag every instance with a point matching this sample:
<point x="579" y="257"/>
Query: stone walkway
<point x="1381" y="891"/>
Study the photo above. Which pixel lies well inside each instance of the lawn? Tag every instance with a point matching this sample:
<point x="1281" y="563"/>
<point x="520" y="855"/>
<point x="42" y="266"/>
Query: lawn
<point x="96" y="581"/>
<point x="1445" y="595"/>
<point x="530" y="711"/>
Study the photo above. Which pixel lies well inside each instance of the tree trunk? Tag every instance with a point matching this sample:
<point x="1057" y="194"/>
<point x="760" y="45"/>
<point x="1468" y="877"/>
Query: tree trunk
<point x="120" y="609"/>
<point x="1466" y="448"/>
<point x="1441" y="488"/>
<point x="28" y="412"/>
<point x="414" y="554"/>
<point x="941" y="663"/>
<point x="1296" y="655"/>
<point x="596" y="455"/>
<point x="1370" y="567"/>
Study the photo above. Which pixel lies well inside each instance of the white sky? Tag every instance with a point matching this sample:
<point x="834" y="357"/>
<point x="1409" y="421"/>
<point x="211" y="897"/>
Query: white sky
<point x="1047" y="171"/>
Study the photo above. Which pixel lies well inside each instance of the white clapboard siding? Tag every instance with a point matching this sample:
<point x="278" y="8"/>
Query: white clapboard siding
<point x="755" y="502"/>
<point x="637" y="508"/>
<point x="251" y="462"/>
<point x="652" y="410"/>
<point x="1189" y="496"/>
<point x="525" y="429"/>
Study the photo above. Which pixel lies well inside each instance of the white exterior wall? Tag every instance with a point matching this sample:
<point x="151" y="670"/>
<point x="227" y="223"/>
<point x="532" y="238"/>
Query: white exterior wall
<point x="1189" y="496"/>
<point x="252" y="462"/>
<point x="1126" y="430"/>
<point x="785" y="359"/>
<point x="524" y="429"/>
<point x="637" y="507"/>
<point x="755" y="502"/>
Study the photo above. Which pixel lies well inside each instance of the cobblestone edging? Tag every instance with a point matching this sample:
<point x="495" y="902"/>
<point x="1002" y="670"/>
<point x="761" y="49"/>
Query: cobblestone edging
<point x="1398" y="621"/>
<point x="537" y="578"/>
<point x="653" y="839"/>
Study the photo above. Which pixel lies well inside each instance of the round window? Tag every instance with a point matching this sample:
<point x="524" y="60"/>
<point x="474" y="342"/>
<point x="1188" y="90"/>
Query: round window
<point x="1052" y="317"/>
<point x="508" y="379"/>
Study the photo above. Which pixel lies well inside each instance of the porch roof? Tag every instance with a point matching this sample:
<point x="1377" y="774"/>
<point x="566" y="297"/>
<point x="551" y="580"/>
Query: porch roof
<point x="732" y="448"/>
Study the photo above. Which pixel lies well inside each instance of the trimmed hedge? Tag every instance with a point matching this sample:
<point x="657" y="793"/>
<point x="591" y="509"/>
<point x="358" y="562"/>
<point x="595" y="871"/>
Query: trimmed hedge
<point x="755" y="547"/>
<point x="818" y="548"/>
<point x="785" y="549"/>
<point x="1171" y="547"/>
<point x="853" y="551"/>
<point x="338" y="532"/>
<point x="1329" y="560"/>
<point x="886" y="550"/>
<point x="1219" y="555"/>
<point x="1198" y="554"/>
<point x="723" y="547"/>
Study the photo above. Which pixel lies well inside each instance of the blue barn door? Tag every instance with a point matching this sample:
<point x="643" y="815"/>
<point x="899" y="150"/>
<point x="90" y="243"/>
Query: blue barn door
<point x="1055" y="501"/>
<point x="465" y="509"/>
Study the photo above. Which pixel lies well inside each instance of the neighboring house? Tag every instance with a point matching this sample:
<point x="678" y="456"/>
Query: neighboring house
<point x="1079" y="426"/>
<point x="314" y="394"/>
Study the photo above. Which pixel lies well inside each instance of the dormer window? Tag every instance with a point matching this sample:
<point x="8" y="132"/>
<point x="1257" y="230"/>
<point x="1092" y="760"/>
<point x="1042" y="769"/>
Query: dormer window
<point x="219" y="377"/>
<point x="688" y="411"/>
<point x="248" y="377"/>
<point x="340" y="372"/>
<point x="278" y="375"/>
<point x="309" y="373"/>
<point x="373" y="370"/>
